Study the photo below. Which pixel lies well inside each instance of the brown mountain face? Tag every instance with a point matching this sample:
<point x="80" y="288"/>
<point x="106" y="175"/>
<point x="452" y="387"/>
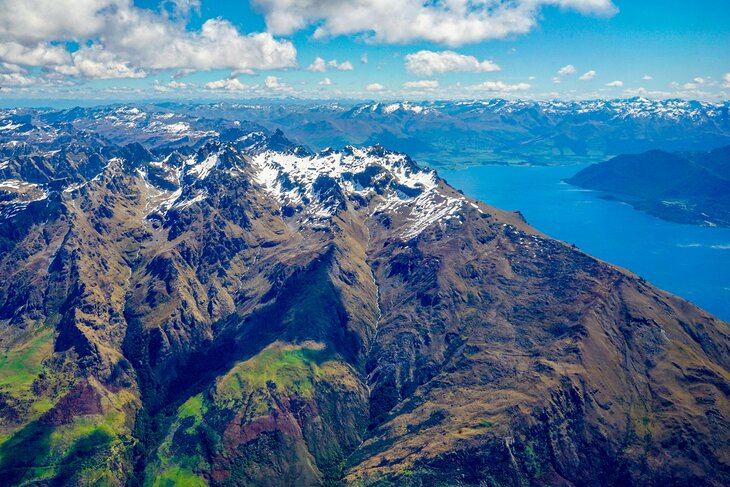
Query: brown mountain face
<point x="236" y="315"/>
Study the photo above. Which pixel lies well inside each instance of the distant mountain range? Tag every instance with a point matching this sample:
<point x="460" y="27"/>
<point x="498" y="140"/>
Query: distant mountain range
<point x="438" y="133"/>
<point x="211" y="304"/>
<point x="687" y="187"/>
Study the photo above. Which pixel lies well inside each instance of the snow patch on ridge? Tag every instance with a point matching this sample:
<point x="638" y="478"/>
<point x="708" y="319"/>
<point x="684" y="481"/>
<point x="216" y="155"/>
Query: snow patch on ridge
<point x="202" y="169"/>
<point x="392" y="183"/>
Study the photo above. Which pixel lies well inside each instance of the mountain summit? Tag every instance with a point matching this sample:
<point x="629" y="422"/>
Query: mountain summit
<point x="242" y="311"/>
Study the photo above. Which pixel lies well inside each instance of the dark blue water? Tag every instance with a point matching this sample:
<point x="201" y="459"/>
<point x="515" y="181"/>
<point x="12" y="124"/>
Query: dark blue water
<point x="689" y="261"/>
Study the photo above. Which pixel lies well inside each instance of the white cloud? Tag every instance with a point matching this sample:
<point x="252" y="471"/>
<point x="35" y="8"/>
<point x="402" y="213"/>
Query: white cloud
<point x="499" y="86"/>
<point x="427" y="63"/>
<point x="275" y="84"/>
<point x="451" y="22"/>
<point x="375" y="87"/>
<point x="31" y="22"/>
<point x="566" y="70"/>
<point x="343" y="66"/>
<point x="364" y="58"/>
<point x="218" y="45"/>
<point x="11" y="68"/>
<point x="17" y="79"/>
<point x="326" y="82"/>
<point x="231" y="84"/>
<point x="726" y="80"/>
<point x="319" y="65"/>
<point x="646" y="77"/>
<point x="176" y="85"/>
<point x="615" y="84"/>
<point x="696" y="83"/>
<point x="588" y="75"/>
<point x="422" y="84"/>
<point x="119" y="39"/>
<point x="96" y="63"/>
<point x="39" y="54"/>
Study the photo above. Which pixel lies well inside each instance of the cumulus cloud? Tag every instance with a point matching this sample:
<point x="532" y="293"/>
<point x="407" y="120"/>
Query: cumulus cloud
<point x="424" y="84"/>
<point x="97" y="63"/>
<point x="319" y="65"/>
<point x="646" y="77"/>
<point x="172" y="86"/>
<point x="726" y="80"/>
<point x="375" y="87"/>
<point x="17" y="80"/>
<point x="275" y="84"/>
<point x="326" y="82"/>
<point x="588" y="75"/>
<point x="119" y="39"/>
<point x="615" y="84"/>
<point x="500" y="86"/>
<point x="38" y="54"/>
<point x="451" y="22"/>
<point x="428" y="63"/>
<point x="11" y="68"/>
<point x="231" y="84"/>
<point x="698" y="82"/>
<point x="566" y="70"/>
<point x="343" y="66"/>
<point x="364" y="58"/>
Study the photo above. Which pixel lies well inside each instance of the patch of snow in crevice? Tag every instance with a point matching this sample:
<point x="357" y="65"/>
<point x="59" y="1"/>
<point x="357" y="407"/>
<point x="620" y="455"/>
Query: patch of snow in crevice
<point x="17" y="185"/>
<point x="73" y="187"/>
<point x="185" y="203"/>
<point x="202" y="169"/>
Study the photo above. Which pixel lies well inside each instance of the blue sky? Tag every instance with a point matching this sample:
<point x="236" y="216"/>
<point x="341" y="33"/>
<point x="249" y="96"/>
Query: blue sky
<point x="363" y="49"/>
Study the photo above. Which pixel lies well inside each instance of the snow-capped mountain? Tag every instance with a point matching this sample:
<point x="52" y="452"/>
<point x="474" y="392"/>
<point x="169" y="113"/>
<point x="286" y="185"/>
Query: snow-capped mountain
<point x="493" y="131"/>
<point x="310" y="187"/>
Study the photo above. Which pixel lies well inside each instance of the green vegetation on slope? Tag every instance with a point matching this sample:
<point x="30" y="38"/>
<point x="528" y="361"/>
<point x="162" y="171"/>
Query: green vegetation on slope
<point x="91" y="450"/>
<point x="251" y="390"/>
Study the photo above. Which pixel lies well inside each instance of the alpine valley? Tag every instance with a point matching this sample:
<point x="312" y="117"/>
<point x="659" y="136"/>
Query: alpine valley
<point x="187" y="297"/>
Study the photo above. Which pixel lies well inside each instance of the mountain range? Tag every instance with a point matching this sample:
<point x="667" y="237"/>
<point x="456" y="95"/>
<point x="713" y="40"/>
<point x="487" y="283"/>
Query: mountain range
<point x="185" y="301"/>
<point x="439" y="133"/>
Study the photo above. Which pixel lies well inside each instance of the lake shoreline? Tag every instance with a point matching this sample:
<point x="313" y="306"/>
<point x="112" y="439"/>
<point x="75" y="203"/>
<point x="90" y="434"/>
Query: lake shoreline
<point x="690" y="261"/>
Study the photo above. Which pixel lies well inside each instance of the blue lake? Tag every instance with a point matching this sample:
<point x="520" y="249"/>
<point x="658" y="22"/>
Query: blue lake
<point x="689" y="261"/>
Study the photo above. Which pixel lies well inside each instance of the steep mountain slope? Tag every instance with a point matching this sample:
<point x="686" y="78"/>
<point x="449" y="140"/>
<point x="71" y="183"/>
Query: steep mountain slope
<point x="249" y="313"/>
<point x="685" y="187"/>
